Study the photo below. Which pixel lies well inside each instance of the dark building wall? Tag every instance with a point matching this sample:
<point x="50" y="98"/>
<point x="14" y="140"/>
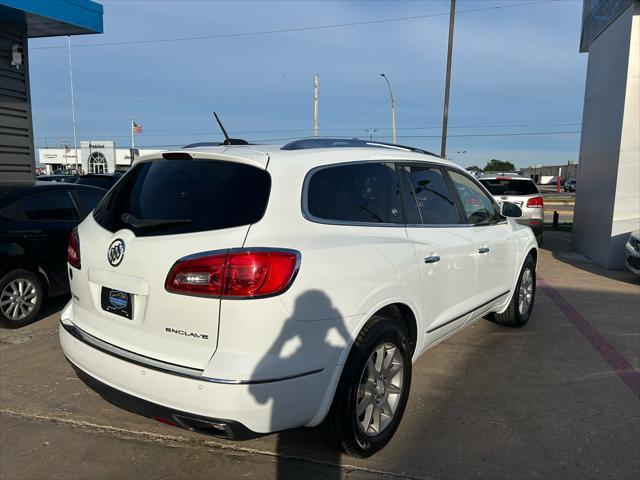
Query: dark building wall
<point x="17" y="158"/>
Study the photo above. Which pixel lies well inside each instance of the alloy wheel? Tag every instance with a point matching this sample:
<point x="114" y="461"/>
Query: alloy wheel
<point x="18" y="299"/>
<point x="525" y="296"/>
<point x="380" y="389"/>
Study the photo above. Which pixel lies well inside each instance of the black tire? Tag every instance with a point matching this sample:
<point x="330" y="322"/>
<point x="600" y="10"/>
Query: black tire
<point x="512" y="317"/>
<point x="342" y="425"/>
<point x="5" y="281"/>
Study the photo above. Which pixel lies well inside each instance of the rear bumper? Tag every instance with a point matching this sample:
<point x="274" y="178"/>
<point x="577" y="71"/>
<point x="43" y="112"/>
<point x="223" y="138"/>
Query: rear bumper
<point x="238" y="410"/>
<point x="209" y="426"/>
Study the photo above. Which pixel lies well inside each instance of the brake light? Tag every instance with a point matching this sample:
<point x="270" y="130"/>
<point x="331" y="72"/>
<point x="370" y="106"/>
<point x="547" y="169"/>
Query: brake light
<point x="535" y="202"/>
<point x="73" y="249"/>
<point x="239" y="273"/>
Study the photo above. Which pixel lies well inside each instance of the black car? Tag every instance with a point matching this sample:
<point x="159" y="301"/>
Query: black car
<point x="35" y="222"/>
<point x="102" y="180"/>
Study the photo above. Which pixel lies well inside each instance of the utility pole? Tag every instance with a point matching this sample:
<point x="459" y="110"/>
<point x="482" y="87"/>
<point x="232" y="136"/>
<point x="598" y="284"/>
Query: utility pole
<point x="73" y="104"/>
<point x="315" y="107"/>
<point x="447" y="84"/>
<point x="393" y="109"/>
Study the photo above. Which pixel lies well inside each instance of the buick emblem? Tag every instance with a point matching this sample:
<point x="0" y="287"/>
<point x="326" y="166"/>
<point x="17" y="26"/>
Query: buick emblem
<point x="115" y="254"/>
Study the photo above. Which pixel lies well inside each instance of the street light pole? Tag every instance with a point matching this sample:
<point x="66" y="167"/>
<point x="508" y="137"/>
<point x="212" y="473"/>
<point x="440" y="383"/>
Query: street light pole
<point x="371" y="131"/>
<point x="447" y="84"/>
<point x="393" y="109"/>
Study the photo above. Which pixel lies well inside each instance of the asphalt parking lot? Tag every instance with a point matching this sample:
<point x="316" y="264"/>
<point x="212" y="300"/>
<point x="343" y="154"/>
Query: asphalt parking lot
<point x="559" y="398"/>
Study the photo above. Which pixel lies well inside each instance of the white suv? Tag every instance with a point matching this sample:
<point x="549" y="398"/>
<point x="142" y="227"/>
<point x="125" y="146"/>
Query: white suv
<point x="237" y="291"/>
<point x="523" y="192"/>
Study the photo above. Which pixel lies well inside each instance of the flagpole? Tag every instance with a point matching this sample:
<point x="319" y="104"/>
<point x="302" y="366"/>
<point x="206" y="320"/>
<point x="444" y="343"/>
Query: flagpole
<point x="73" y="106"/>
<point x="133" y="143"/>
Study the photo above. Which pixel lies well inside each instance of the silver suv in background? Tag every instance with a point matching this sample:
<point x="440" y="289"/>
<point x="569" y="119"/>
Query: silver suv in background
<point x="523" y="192"/>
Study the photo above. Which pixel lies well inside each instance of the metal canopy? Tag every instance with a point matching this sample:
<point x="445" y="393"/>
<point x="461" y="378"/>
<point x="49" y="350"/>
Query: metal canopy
<point x="50" y="18"/>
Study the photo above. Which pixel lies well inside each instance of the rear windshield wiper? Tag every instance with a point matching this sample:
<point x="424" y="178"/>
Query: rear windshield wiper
<point x="152" y="222"/>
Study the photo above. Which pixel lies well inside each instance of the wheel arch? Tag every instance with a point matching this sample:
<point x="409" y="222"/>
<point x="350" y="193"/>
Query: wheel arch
<point x="399" y="310"/>
<point x="25" y="262"/>
<point x="531" y="249"/>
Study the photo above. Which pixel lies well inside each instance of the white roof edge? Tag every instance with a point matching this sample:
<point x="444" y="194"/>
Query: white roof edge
<point x="239" y="154"/>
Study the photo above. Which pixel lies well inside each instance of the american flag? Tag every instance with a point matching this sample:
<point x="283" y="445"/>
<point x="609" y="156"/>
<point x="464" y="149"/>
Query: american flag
<point x="136" y="128"/>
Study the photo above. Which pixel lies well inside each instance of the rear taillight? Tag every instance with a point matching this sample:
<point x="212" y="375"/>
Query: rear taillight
<point x="201" y="275"/>
<point x="73" y="249"/>
<point x="535" y="202"/>
<point x="237" y="274"/>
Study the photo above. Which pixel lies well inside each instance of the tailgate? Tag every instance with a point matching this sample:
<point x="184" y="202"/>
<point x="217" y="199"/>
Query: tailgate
<point x="174" y="328"/>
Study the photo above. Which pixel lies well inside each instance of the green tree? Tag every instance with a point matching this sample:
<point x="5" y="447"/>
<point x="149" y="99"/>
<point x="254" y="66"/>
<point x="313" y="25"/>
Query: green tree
<point x="494" y="165"/>
<point x="474" y="168"/>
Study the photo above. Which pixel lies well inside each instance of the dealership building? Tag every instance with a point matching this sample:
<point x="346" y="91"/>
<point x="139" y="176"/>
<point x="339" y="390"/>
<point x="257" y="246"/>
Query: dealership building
<point x="95" y="156"/>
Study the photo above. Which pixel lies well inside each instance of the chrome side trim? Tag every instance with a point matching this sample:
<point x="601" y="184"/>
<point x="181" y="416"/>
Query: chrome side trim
<point x="164" y="367"/>
<point x="467" y="313"/>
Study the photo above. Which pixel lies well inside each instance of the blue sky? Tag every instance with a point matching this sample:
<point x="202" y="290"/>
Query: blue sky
<point x="515" y="70"/>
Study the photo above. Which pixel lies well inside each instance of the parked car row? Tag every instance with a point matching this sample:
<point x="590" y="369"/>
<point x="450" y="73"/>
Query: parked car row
<point x="35" y="222"/>
<point x="102" y="180"/>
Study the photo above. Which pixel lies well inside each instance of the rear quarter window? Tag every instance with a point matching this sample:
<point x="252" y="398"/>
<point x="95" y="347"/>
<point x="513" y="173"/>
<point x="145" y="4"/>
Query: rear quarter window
<point x="203" y="194"/>
<point x="354" y="193"/>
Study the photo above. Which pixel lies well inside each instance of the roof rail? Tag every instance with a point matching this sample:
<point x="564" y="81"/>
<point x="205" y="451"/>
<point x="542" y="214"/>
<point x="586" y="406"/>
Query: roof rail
<point x="309" y="143"/>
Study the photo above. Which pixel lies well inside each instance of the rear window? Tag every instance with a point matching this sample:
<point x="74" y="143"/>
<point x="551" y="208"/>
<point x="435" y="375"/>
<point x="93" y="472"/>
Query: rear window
<point x="167" y="197"/>
<point x="510" y="186"/>
<point x="47" y="206"/>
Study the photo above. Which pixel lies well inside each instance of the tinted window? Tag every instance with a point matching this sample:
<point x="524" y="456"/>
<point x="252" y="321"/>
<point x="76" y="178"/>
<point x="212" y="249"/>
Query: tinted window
<point x="362" y="192"/>
<point x="102" y="182"/>
<point x="46" y="206"/>
<point x="510" y="186"/>
<point x="428" y="199"/>
<point x="87" y="200"/>
<point x="202" y="194"/>
<point x="478" y="206"/>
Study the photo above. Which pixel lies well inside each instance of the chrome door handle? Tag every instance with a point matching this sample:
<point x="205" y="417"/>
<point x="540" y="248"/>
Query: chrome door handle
<point x="432" y="259"/>
<point x="483" y="250"/>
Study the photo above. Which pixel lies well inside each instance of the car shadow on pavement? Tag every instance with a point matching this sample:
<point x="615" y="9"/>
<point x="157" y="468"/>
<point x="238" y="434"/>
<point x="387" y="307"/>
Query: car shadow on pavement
<point x="559" y="244"/>
<point x="319" y="341"/>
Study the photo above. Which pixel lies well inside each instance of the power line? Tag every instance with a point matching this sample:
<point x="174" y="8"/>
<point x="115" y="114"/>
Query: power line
<point x="511" y="134"/>
<point x="292" y="29"/>
<point x="302" y="130"/>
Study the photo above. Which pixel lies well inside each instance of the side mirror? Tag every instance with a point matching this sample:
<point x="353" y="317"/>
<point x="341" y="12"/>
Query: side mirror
<point x="512" y="210"/>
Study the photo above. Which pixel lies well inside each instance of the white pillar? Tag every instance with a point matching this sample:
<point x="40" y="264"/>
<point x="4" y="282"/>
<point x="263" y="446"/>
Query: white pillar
<point x="608" y="188"/>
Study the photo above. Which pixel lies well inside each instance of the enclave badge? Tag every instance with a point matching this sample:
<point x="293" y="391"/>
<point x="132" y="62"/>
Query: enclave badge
<point x="115" y="253"/>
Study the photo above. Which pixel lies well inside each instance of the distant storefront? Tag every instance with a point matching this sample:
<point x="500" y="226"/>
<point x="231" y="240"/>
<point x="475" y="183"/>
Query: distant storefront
<point x="93" y="157"/>
<point x="544" y="174"/>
